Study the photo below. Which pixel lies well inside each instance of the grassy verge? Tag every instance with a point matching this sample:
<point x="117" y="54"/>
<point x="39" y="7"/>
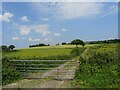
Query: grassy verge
<point x="98" y="68"/>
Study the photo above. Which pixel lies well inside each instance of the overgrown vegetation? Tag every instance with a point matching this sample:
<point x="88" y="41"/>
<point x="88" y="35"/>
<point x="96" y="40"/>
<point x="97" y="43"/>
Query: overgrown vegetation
<point x="98" y="68"/>
<point x="76" y="51"/>
<point x="7" y="48"/>
<point x="9" y="73"/>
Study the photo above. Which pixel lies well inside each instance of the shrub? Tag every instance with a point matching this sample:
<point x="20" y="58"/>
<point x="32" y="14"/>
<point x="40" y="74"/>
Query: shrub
<point x="100" y="70"/>
<point x="9" y="73"/>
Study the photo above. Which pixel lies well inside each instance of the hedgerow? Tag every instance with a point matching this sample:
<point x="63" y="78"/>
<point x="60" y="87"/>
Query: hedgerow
<point x="99" y="70"/>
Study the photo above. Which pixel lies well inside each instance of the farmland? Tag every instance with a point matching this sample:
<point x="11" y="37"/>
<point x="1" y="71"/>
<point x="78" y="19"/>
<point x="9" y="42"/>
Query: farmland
<point x="49" y="53"/>
<point x="98" y="62"/>
<point x="68" y="44"/>
<point x="38" y="52"/>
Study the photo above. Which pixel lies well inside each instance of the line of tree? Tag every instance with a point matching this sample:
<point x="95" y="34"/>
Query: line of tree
<point x="39" y="45"/>
<point x="65" y="43"/>
<point x="7" y="48"/>
<point x="105" y="41"/>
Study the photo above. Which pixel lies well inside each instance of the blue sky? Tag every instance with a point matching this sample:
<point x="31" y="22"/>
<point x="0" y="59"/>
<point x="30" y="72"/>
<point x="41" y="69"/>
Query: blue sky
<point x="27" y="23"/>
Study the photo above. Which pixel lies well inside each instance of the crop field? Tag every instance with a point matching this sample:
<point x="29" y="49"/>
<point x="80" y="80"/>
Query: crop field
<point x="36" y="53"/>
<point x="39" y="52"/>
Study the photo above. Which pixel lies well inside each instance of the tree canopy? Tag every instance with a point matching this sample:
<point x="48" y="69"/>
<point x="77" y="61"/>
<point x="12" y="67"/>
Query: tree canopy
<point x="4" y="47"/>
<point x="78" y="42"/>
<point x="11" y="47"/>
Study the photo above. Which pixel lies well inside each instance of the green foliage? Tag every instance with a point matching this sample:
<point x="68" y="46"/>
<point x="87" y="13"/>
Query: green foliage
<point x="3" y="47"/>
<point x="9" y="73"/>
<point x="78" y="42"/>
<point x="99" y="70"/>
<point x="105" y="41"/>
<point x="39" y="45"/>
<point x="11" y="47"/>
<point x="76" y="51"/>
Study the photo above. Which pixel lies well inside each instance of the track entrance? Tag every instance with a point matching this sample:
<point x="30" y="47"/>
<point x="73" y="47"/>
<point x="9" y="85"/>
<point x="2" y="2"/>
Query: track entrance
<point x="41" y="69"/>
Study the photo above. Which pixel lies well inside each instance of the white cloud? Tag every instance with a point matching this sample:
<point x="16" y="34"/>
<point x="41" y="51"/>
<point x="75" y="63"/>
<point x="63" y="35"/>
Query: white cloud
<point x="78" y="10"/>
<point x="6" y="17"/>
<point x="15" y="38"/>
<point x="24" y="18"/>
<point x="43" y="29"/>
<point x="39" y="40"/>
<point x="70" y="10"/>
<point x="40" y="28"/>
<point x="24" y="30"/>
<point x="45" y="19"/>
<point x="64" y="30"/>
<point x="57" y="34"/>
<point x="60" y="1"/>
<point x="47" y="39"/>
<point x="34" y="40"/>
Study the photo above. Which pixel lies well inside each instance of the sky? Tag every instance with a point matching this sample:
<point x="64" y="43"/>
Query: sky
<point x="28" y="23"/>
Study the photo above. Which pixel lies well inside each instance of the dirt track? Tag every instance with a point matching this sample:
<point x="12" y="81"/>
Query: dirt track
<point x="61" y="77"/>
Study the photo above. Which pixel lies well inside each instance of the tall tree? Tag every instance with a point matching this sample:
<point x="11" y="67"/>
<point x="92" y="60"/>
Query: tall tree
<point x="11" y="47"/>
<point x="77" y="42"/>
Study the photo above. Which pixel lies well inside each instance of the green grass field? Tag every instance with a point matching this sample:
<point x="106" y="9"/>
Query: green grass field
<point x="38" y="52"/>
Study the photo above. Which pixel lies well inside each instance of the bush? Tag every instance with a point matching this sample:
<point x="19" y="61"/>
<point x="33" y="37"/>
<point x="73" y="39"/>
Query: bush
<point x="100" y="70"/>
<point x="9" y="73"/>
